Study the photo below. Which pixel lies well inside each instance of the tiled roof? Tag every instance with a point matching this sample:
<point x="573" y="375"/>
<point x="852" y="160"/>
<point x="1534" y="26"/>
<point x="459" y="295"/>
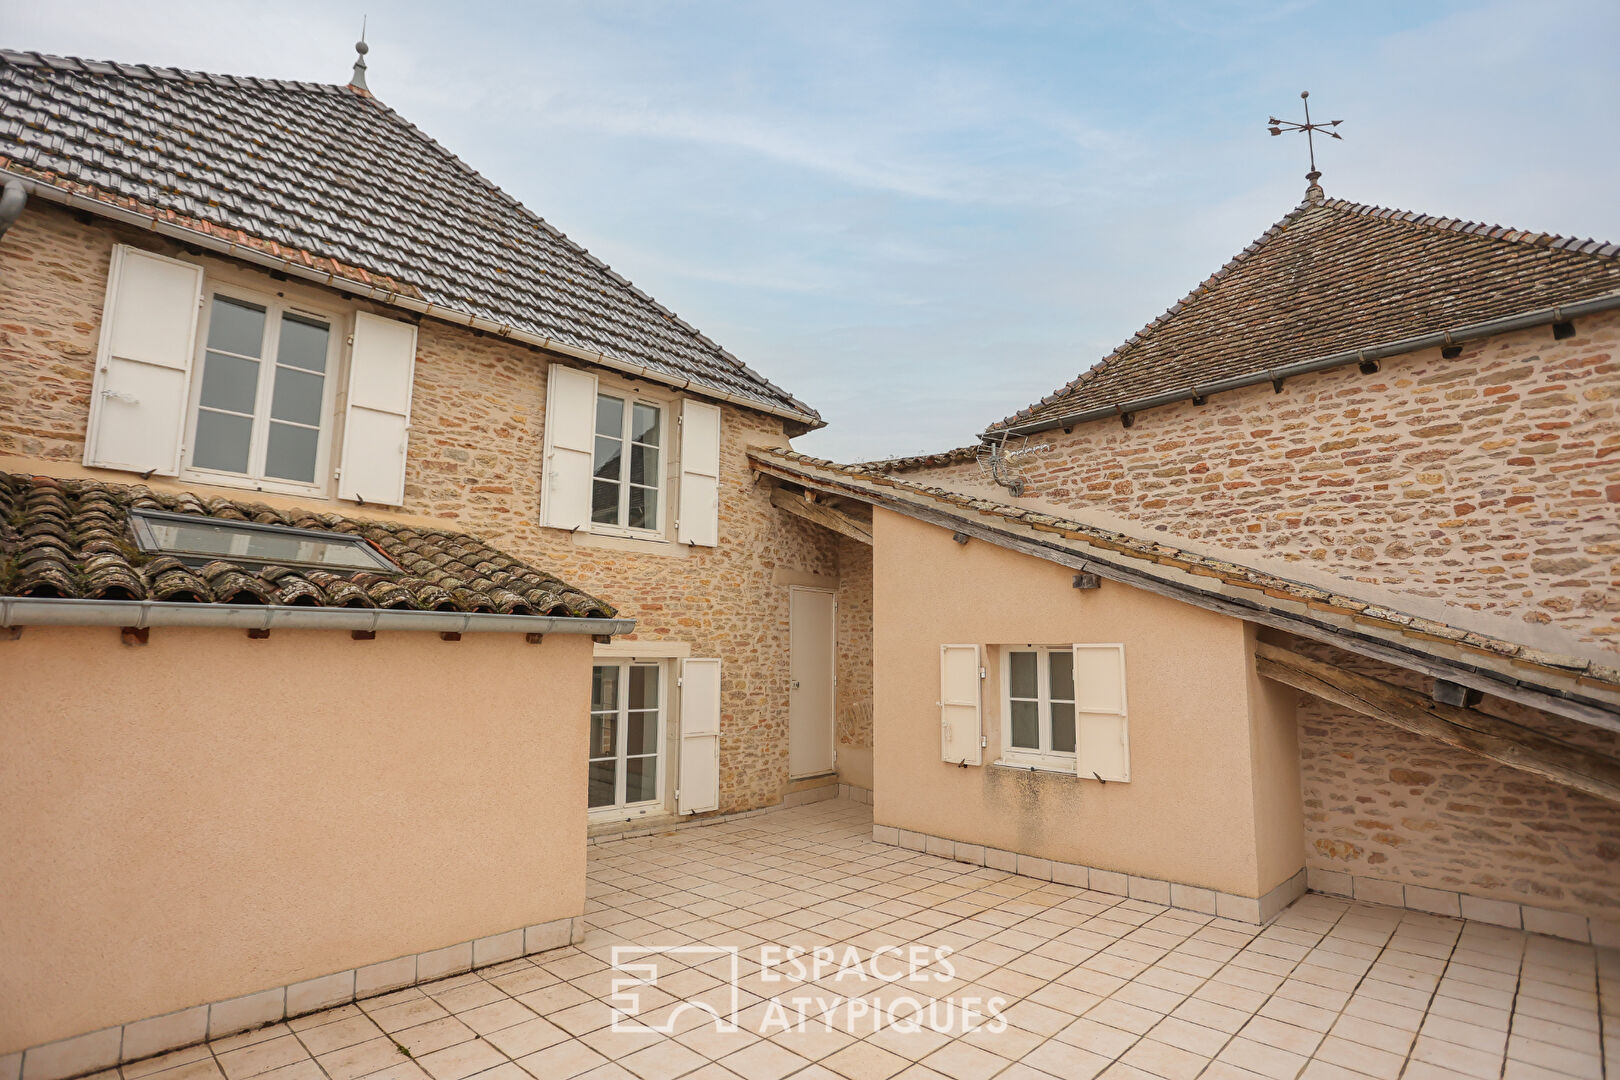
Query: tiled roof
<point x="1253" y="588"/>
<point x="959" y="456"/>
<point x="329" y="177"/>
<point x="1333" y="277"/>
<point x="70" y="538"/>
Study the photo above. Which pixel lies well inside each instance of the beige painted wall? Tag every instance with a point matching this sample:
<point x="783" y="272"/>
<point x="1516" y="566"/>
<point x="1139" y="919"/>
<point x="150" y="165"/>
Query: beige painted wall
<point x="208" y="815"/>
<point x="1214" y="795"/>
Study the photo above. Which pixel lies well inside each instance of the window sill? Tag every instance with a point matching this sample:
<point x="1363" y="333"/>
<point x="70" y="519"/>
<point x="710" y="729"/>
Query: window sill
<point x="248" y="483"/>
<point x="1036" y="766"/>
<point x="638" y="544"/>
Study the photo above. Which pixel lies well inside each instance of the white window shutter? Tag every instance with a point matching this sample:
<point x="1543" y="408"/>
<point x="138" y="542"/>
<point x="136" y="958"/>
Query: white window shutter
<point x="143" y="364"/>
<point x="570" y="424"/>
<point x="699" y="786"/>
<point x="699" y="519"/>
<point x="1102" y="736"/>
<point x="960" y="715"/>
<point x="377" y="418"/>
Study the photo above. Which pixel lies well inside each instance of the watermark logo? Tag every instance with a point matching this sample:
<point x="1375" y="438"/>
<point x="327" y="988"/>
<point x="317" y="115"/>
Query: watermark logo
<point x="796" y="989"/>
<point x="642" y="968"/>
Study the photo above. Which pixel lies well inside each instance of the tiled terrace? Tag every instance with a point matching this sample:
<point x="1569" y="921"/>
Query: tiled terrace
<point x="1095" y="984"/>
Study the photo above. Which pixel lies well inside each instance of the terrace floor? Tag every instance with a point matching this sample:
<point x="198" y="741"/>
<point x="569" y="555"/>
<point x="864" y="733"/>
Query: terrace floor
<point x="1093" y="985"/>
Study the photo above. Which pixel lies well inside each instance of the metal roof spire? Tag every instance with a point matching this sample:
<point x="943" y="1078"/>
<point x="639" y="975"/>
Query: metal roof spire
<point x="358" y="79"/>
<point x="1314" y="192"/>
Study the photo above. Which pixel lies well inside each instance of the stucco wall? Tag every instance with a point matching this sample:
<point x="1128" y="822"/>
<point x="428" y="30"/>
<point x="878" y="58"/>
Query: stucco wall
<point x="1490" y="482"/>
<point x="854" y="662"/>
<point x="476" y="443"/>
<point x="1387" y="804"/>
<point x="1207" y="803"/>
<point x="207" y="815"/>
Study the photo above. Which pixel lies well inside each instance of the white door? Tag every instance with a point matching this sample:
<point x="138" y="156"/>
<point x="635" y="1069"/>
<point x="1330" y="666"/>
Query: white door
<point x="627" y="735"/>
<point x="812" y="634"/>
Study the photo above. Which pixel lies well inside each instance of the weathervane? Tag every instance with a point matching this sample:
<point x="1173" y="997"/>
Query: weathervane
<point x="1280" y="126"/>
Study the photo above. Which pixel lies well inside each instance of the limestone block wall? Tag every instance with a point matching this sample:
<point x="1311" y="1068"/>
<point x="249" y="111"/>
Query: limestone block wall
<point x="1489" y="482"/>
<point x="1384" y="803"/>
<point x="475" y="461"/>
<point x="854" y="662"/>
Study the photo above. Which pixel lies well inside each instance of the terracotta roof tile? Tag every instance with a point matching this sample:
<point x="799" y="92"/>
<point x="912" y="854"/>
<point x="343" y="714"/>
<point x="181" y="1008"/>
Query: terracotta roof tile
<point x="332" y="178"/>
<point x="71" y="538"/>
<point x="1335" y="277"/>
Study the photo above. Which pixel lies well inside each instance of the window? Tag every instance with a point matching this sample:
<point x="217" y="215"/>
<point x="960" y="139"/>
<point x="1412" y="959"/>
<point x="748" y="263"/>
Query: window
<point x="1039" y="707"/>
<point x="1063" y="708"/>
<point x="261" y="408"/>
<point x="198" y="539"/>
<point x="627" y="734"/>
<point x="627" y="474"/>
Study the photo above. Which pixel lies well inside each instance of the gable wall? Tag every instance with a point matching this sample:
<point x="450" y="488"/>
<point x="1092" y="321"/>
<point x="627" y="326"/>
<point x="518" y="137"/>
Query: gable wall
<point x="474" y="460"/>
<point x="1491" y="481"/>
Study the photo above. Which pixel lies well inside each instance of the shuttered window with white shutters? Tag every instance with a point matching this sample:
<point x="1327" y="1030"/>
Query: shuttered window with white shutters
<point x="1063" y="709"/>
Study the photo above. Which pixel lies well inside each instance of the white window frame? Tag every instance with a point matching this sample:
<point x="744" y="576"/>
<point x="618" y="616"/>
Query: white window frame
<point x="666" y="457"/>
<point x="1045" y="757"/>
<point x="623" y="664"/>
<point x="275" y="307"/>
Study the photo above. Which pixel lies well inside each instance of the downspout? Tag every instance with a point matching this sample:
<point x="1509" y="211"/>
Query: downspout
<point x="12" y="201"/>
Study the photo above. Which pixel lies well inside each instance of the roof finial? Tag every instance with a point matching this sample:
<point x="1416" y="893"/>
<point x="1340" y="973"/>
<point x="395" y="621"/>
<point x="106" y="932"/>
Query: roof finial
<point x="358" y="79"/>
<point x="1313" y="193"/>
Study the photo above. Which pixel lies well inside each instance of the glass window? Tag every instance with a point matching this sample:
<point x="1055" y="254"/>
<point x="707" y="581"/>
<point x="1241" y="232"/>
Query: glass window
<point x="201" y="539"/>
<point x="257" y="419"/>
<point x="1039" y="700"/>
<point x="627" y="721"/>
<point x="627" y="465"/>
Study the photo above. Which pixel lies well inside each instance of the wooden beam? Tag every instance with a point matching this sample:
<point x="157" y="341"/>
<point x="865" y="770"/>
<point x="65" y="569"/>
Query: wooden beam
<point x="822" y="514"/>
<point x="1468" y="729"/>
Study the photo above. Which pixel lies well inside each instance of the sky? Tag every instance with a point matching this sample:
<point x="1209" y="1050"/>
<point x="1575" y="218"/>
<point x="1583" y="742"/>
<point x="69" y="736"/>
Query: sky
<point x="921" y="217"/>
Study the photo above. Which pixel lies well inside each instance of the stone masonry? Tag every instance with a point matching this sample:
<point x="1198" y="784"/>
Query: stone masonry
<point x="1490" y="481"/>
<point x="855" y="648"/>
<point x="475" y="459"/>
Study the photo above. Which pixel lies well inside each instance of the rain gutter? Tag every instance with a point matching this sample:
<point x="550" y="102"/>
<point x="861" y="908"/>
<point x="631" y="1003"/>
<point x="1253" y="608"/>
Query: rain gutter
<point x="1468" y="332"/>
<point x="18" y="611"/>
<point x="247" y="253"/>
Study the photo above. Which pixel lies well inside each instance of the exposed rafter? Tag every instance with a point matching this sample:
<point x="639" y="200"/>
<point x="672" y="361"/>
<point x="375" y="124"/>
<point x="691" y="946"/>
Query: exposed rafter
<point x="1468" y="729"/>
<point x="821" y="514"/>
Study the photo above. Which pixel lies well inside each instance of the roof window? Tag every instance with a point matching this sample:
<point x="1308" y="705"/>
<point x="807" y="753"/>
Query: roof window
<point x="201" y="539"/>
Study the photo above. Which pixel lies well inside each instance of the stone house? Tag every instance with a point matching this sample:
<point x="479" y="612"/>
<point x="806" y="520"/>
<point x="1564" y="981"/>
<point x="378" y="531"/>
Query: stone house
<point x="1382" y="446"/>
<point x="1311" y="584"/>
<point x="283" y="308"/>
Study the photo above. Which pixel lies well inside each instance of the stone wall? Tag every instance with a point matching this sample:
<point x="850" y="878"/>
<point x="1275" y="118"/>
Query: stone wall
<point x="854" y="662"/>
<point x="475" y="453"/>
<point x="1489" y="482"/>
<point x="1394" y="806"/>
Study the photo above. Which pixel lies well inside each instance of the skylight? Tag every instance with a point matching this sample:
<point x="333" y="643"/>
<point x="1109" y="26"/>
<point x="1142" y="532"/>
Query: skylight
<point x="193" y="538"/>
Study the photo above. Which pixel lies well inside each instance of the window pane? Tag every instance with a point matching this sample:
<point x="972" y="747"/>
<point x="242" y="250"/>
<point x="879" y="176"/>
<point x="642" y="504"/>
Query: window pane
<point x="1026" y="725"/>
<point x="644" y="465"/>
<point x="641" y="733"/>
<point x="604" y="735"/>
<point x="609" y="416"/>
<point x="643" y="687"/>
<point x="222" y="441"/>
<point x="640" y="779"/>
<point x="297" y="396"/>
<point x="303" y="343"/>
<point x="605" y="502"/>
<point x="1063" y="727"/>
<point x="235" y="326"/>
<point x="644" y="425"/>
<point x="604" y="688"/>
<point x="643" y="508"/>
<point x="603" y="774"/>
<point x="229" y="382"/>
<point x="290" y="454"/>
<point x="608" y="454"/>
<point x="1062" y="675"/>
<point x="1021" y="680"/>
